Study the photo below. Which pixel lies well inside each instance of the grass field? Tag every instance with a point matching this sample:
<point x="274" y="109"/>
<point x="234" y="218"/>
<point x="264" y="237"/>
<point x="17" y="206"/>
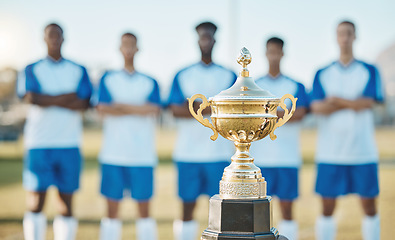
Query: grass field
<point x="90" y="206"/>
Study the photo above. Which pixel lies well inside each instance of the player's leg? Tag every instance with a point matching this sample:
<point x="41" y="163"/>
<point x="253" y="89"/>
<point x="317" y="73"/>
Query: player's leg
<point x="146" y="226"/>
<point x="67" y="175"/>
<point x="141" y="186"/>
<point x="287" y="191"/>
<point x="187" y="227"/>
<point x="189" y="189"/>
<point x="34" y="221"/>
<point x="365" y="182"/>
<point x="288" y="227"/>
<point x="65" y="225"/>
<point x="112" y="186"/>
<point x="332" y="181"/>
<point x="286" y="209"/>
<point x="188" y="208"/>
<point x="64" y="204"/>
<point x="371" y="221"/>
<point x="325" y="227"/>
<point x="328" y="206"/>
<point x="143" y="208"/>
<point x="37" y="177"/>
<point x="111" y="226"/>
<point x="35" y="201"/>
<point x="112" y="208"/>
<point x="369" y="206"/>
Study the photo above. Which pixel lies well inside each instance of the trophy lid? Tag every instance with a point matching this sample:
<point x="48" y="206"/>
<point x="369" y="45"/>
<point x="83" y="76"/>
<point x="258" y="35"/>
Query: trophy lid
<point x="244" y="88"/>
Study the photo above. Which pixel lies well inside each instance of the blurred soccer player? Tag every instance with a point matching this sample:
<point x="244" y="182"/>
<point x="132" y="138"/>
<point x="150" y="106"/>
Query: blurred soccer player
<point x="200" y="161"/>
<point x="343" y="96"/>
<point x="129" y="101"/>
<point x="58" y="90"/>
<point x="280" y="160"/>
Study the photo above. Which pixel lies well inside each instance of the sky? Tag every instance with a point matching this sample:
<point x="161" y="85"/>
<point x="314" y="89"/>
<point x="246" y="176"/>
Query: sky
<point x="168" y="42"/>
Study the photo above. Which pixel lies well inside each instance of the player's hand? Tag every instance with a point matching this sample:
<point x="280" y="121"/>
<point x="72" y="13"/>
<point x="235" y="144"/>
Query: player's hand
<point x="101" y="109"/>
<point x="36" y="99"/>
<point x="29" y="97"/>
<point x="335" y="100"/>
<point x="345" y="103"/>
<point x="68" y="97"/>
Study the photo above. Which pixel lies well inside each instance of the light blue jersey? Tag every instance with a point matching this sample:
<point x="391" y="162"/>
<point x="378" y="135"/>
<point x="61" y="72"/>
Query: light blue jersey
<point x="346" y="137"/>
<point x="128" y="140"/>
<point x="53" y="127"/>
<point x="193" y="140"/>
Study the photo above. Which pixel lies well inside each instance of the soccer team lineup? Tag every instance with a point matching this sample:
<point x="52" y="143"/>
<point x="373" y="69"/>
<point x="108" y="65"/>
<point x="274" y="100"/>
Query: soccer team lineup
<point x="230" y="173"/>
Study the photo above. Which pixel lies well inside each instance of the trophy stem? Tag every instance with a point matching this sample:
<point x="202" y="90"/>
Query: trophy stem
<point x="242" y="154"/>
<point x="242" y="179"/>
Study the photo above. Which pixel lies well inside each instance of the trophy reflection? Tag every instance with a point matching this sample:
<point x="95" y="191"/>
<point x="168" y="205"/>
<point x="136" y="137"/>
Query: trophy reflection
<point x="243" y="113"/>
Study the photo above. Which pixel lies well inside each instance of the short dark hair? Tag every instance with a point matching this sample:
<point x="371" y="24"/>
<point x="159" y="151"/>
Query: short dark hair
<point x="207" y="25"/>
<point x="349" y="23"/>
<point x="129" y="34"/>
<point x="54" y="25"/>
<point x="275" y="40"/>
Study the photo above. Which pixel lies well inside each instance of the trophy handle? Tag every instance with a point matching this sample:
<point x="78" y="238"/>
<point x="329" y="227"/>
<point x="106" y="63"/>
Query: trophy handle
<point x="287" y="114"/>
<point x="204" y="121"/>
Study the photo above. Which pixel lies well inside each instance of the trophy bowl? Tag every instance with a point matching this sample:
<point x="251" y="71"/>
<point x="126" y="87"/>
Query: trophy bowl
<point x="242" y="121"/>
<point x="243" y="113"/>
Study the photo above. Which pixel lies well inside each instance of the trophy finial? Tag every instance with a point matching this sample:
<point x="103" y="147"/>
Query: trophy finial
<point x="244" y="59"/>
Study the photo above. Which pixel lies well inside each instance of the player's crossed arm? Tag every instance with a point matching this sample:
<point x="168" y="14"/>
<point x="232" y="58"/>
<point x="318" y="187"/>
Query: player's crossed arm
<point x="356" y="105"/>
<point x="70" y="100"/>
<point x="324" y="107"/>
<point x="330" y="105"/>
<point x="119" y="109"/>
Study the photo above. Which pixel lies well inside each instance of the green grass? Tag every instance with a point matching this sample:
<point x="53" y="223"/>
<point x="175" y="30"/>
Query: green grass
<point x="89" y="206"/>
<point x="10" y="171"/>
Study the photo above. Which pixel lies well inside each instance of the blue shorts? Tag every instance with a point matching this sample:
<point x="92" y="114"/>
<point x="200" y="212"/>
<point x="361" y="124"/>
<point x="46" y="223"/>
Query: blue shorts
<point x="282" y="182"/>
<point x="336" y="180"/>
<point x="116" y="179"/>
<point x="195" y="179"/>
<point x="60" y="167"/>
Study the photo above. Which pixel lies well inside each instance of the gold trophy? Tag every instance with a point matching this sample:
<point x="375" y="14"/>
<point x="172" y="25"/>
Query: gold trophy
<point x="243" y="113"/>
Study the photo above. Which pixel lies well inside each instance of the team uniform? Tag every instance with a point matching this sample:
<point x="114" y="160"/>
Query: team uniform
<point x="53" y="134"/>
<point x="200" y="161"/>
<point x="280" y="159"/>
<point x="346" y="149"/>
<point x="346" y="156"/>
<point x="128" y="154"/>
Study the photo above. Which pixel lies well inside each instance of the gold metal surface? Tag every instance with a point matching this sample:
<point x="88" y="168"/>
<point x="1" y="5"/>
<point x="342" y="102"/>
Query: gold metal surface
<point x="243" y="113"/>
<point x="198" y="116"/>
<point x="287" y="115"/>
<point x="244" y="59"/>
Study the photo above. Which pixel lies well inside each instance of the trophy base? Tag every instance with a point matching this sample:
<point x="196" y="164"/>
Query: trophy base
<point x="207" y="235"/>
<point x="236" y="219"/>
